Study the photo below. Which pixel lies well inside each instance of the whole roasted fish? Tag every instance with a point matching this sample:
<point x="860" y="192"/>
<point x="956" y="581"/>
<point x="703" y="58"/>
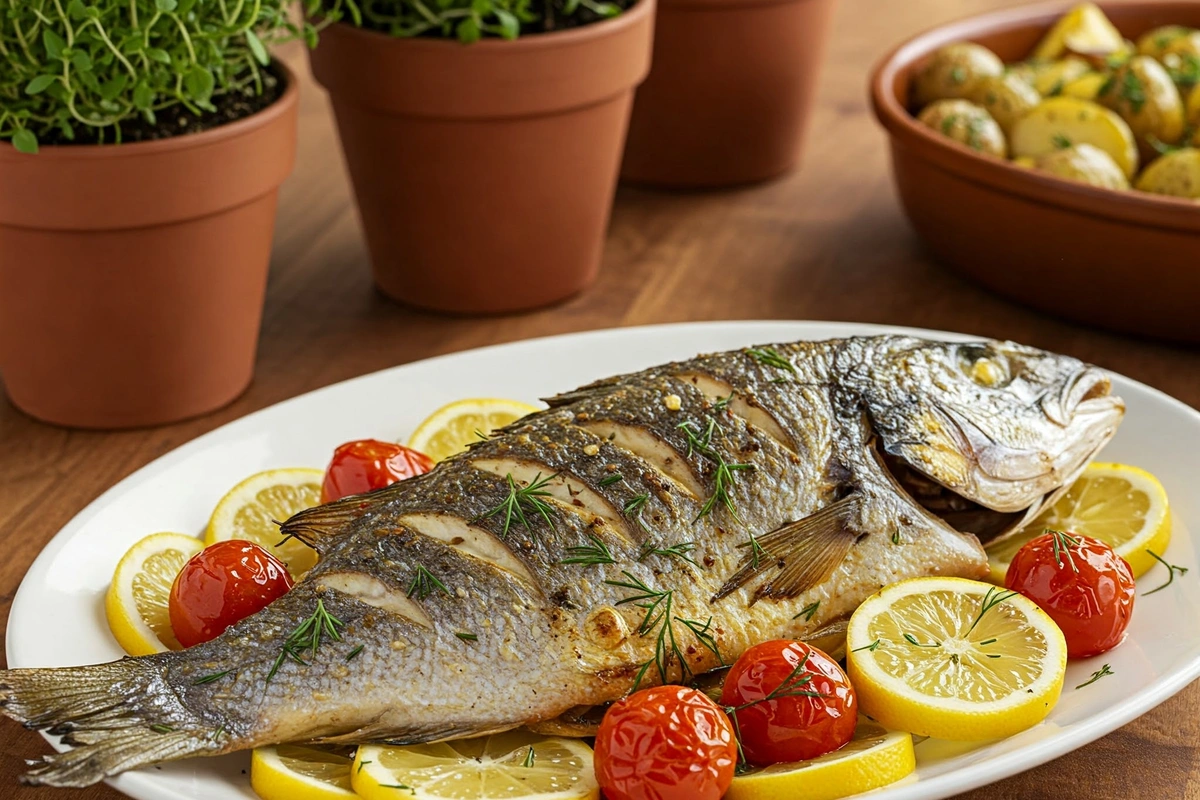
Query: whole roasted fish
<point x="646" y="528"/>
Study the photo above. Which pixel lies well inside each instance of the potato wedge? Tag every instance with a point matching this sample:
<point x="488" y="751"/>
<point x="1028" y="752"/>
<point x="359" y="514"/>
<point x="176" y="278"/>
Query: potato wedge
<point x="1084" y="163"/>
<point x="1176" y="174"/>
<point x="1051" y="79"/>
<point x="966" y="123"/>
<point x="1006" y="97"/>
<point x="1085" y="87"/>
<point x="1060" y="122"/>
<point x="1083" y="30"/>
<point x="953" y="72"/>
<point x="1144" y="95"/>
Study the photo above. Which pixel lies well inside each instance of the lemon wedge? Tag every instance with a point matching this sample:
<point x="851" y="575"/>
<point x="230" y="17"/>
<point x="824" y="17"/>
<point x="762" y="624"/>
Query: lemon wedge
<point x="250" y="510"/>
<point x="1115" y="503"/>
<point x="875" y="757"/>
<point x="136" y="601"/>
<point x="454" y="426"/>
<point x="954" y="659"/>
<point x="290" y="772"/>
<point x="516" y="764"/>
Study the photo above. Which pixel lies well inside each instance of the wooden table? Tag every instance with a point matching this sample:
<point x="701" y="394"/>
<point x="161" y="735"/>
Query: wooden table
<point x="828" y="242"/>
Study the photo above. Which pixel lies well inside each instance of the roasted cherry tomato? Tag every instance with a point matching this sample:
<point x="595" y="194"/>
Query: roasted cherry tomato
<point x="223" y="584"/>
<point x="791" y="701"/>
<point x="1081" y="583"/>
<point x="368" y="464"/>
<point x="665" y="743"/>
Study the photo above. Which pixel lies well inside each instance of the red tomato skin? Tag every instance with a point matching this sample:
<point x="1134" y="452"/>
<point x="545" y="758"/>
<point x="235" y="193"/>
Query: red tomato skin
<point x="796" y="728"/>
<point x="665" y="743"/>
<point x="369" y="464"/>
<point x="222" y="585"/>
<point x="1093" y="606"/>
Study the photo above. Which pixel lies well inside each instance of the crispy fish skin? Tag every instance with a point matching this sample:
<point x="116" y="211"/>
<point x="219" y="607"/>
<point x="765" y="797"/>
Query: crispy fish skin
<point x="709" y="505"/>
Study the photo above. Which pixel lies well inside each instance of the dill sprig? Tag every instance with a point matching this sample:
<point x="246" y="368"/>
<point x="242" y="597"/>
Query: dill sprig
<point x="873" y="646"/>
<point x="609" y="480"/>
<point x="993" y="598"/>
<point x="529" y="758"/>
<point x="467" y="637"/>
<point x="1097" y="675"/>
<point x="809" y="611"/>
<point x="216" y="676"/>
<point x="679" y="550"/>
<point x="770" y="357"/>
<point x="159" y="728"/>
<point x="908" y="637"/>
<point x="791" y="686"/>
<point x="757" y="551"/>
<point x="353" y="654"/>
<point x="425" y="583"/>
<point x="1171" y="570"/>
<point x="1063" y="542"/>
<point x="523" y="500"/>
<point x="723" y="403"/>
<point x="660" y="620"/>
<point x="594" y="553"/>
<point x="726" y="473"/>
<point x="307" y="637"/>
<point x="633" y="508"/>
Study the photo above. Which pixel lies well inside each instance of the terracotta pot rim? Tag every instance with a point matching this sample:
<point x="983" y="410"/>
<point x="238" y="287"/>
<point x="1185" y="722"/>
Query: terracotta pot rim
<point x="1125" y="206"/>
<point x="529" y="41"/>
<point x="220" y="133"/>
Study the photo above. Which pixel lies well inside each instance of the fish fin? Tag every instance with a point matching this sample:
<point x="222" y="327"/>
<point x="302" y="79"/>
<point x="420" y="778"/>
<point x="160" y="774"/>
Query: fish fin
<point x="319" y="526"/>
<point x="806" y="553"/>
<point x="117" y="716"/>
<point x="578" y="722"/>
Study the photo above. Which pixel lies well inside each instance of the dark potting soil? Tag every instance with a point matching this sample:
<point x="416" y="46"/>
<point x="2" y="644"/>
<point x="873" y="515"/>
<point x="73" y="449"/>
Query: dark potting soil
<point x="178" y="121"/>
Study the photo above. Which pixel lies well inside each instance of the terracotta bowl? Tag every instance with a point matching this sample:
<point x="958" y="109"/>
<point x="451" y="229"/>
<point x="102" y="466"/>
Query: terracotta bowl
<point x="1127" y="261"/>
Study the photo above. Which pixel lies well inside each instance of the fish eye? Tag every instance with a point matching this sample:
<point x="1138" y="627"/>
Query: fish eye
<point x="986" y="368"/>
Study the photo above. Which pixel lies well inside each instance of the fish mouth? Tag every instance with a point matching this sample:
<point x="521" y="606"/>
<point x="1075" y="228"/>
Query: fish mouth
<point x="1006" y="487"/>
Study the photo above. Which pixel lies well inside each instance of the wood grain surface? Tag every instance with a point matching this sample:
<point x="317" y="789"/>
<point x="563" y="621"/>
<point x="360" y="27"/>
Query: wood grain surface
<point x="828" y="242"/>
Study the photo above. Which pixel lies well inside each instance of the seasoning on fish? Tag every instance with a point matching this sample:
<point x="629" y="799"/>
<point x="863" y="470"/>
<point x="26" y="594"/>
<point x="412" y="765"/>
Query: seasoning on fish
<point x="610" y="541"/>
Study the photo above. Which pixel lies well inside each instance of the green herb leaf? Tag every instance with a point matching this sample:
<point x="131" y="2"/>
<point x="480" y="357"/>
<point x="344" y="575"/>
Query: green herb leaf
<point x="1097" y="675"/>
<point x="40" y="84"/>
<point x="154" y="54"/>
<point x="166" y="6"/>
<point x="23" y="141"/>
<point x="199" y="83"/>
<point x="808" y="611"/>
<point x="143" y="95"/>
<point x="1171" y="571"/>
<point x="510" y="28"/>
<point x="257" y="49"/>
<point x="1060" y="142"/>
<point x="54" y="44"/>
<point x="468" y="30"/>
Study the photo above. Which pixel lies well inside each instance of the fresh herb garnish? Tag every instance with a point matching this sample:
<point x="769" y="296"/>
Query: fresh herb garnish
<point x="1133" y="91"/>
<point x="162" y="728"/>
<point x="1063" y="542"/>
<point x="425" y="583"/>
<point x="1060" y="142"/>
<point x="529" y="757"/>
<point x="616" y="477"/>
<point x="723" y="403"/>
<point x="523" y="500"/>
<point x="993" y="598"/>
<point x="791" y="686"/>
<point x="659" y="607"/>
<point x="873" y="646"/>
<point x="362" y="764"/>
<point x="216" y="676"/>
<point x="217" y="734"/>
<point x="307" y="637"/>
<point x="1097" y="675"/>
<point x="467" y="637"/>
<point x="353" y="654"/>
<point x="592" y="554"/>
<point x="958" y="75"/>
<point x="896" y="536"/>
<point x="757" y="551"/>
<point x="908" y="637"/>
<point x="726" y="473"/>
<point x="948" y="123"/>
<point x="679" y="550"/>
<point x="809" y="611"/>
<point x="770" y="357"/>
<point x="398" y="786"/>
<point x="634" y="506"/>
<point x="1171" y="570"/>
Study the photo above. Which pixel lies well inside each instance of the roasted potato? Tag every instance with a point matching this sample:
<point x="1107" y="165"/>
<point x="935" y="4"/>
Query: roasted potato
<point x="1084" y="163"/>
<point x="953" y="72"/>
<point x="966" y="123"/>
<point x="1155" y="41"/>
<point x="1060" y="122"/>
<point x="1191" y="110"/>
<point x="1182" y="60"/>
<point x="1006" y="97"/>
<point x="1085" y="87"/>
<point x="1176" y="174"/>
<point x="1050" y="79"/>
<point x="1144" y="95"/>
<point x="1085" y="31"/>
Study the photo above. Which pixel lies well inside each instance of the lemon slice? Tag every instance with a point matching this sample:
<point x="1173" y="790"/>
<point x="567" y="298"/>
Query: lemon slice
<point x="250" y="510"/>
<point x="290" y="772"/>
<point x="452" y="427"/>
<point x="136" y="601"/>
<point x="954" y="659"/>
<point x="517" y="764"/>
<point x="875" y="757"/>
<point x="1115" y="503"/>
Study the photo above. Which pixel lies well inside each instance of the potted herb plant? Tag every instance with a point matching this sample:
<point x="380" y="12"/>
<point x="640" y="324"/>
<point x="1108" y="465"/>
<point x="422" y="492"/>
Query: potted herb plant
<point x="483" y="139"/>
<point x="733" y="85"/>
<point x="142" y="143"/>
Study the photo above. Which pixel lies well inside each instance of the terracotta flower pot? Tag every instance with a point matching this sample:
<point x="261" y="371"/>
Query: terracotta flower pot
<point x="731" y="91"/>
<point x="484" y="173"/>
<point x="132" y="276"/>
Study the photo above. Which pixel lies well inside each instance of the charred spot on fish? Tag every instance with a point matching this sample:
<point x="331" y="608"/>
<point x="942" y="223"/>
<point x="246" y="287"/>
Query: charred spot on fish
<point x="561" y="597"/>
<point x="708" y="560"/>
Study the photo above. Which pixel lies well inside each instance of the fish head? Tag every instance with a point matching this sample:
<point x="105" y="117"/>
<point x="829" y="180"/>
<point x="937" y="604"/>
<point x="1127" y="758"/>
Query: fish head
<point x="1002" y="427"/>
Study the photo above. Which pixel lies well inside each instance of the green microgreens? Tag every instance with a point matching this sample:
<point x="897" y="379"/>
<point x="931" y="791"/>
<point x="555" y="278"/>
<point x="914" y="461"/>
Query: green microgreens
<point x="809" y="611"/>
<point x="993" y="598"/>
<point x="1097" y="675"/>
<point x="770" y="357"/>
<point x="726" y="473"/>
<point x="307" y="637"/>
<point x="353" y="654"/>
<point x="908" y="637"/>
<point x="678" y="550"/>
<point x="1171" y="571"/>
<point x="216" y="676"/>
<point x="425" y="583"/>
<point x="659" y="607"/>
<point x="467" y="637"/>
<point x="592" y="554"/>
<point x="616" y="477"/>
<point x="873" y="646"/>
<point x="529" y="757"/>
<point x="523" y="500"/>
<point x="1063" y="542"/>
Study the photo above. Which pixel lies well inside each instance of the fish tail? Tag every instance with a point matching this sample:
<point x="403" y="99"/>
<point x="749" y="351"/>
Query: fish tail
<point x="116" y="716"/>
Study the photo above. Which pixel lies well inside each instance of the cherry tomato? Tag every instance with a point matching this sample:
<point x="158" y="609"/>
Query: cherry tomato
<point x="1085" y="587"/>
<point x="812" y="708"/>
<point x="223" y="584"/>
<point x="665" y="743"/>
<point x="369" y="464"/>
